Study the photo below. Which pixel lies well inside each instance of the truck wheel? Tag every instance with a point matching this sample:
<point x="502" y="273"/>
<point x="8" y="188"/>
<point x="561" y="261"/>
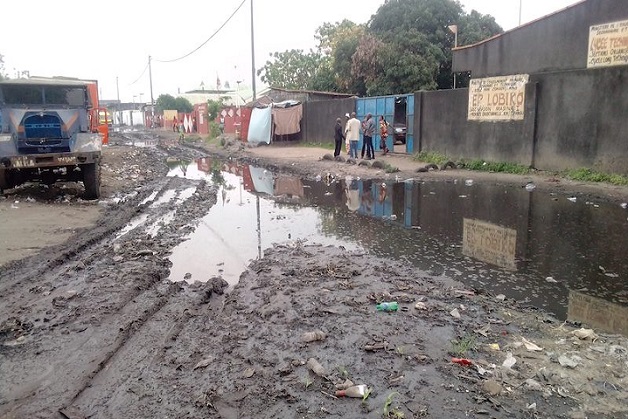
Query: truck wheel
<point x="91" y="180"/>
<point x="3" y="181"/>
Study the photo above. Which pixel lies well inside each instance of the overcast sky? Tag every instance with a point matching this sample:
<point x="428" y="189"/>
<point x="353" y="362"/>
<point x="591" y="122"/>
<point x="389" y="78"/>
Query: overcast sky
<point x="113" y="39"/>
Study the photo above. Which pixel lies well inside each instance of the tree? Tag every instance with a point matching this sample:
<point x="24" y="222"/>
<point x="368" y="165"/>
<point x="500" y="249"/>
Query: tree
<point x="168" y="102"/>
<point x="291" y="69"/>
<point x="213" y="108"/>
<point x="398" y="21"/>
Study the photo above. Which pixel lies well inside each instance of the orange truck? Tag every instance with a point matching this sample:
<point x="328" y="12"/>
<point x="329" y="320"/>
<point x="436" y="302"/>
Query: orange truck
<point x="51" y="131"/>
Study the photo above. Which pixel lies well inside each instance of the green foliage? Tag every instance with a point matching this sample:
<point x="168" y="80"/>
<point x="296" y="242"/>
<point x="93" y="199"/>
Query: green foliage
<point x="213" y="108"/>
<point x="463" y="345"/>
<point x="391" y="412"/>
<point x="291" y="69"/>
<point x="214" y="129"/>
<point x="588" y="175"/>
<point x="502" y="167"/>
<point x="431" y="157"/>
<point x="405" y="47"/>
<point x="168" y="102"/>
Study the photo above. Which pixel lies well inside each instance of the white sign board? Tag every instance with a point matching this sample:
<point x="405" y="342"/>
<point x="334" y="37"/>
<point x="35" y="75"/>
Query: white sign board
<point x="497" y="98"/>
<point x="608" y="44"/>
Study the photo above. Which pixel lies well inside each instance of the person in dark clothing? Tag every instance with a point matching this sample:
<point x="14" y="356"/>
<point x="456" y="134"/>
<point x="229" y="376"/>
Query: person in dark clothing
<point x="339" y="137"/>
<point x="368" y="130"/>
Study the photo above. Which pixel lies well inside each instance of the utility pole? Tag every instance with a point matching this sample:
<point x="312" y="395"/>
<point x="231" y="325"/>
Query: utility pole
<point x="520" y="2"/>
<point x="253" y="54"/>
<point x="152" y="102"/>
<point x="454" y="29"/>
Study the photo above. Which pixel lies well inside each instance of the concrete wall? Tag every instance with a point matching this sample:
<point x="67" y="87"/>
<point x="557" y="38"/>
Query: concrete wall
<point x="320" y="118"/>
<point x="441" y="125"/>
<point x="554" y="43"/>
<point x="583" y="120"/>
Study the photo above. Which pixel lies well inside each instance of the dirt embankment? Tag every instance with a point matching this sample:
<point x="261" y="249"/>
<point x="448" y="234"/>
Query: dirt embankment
<point x="92" y="328"/>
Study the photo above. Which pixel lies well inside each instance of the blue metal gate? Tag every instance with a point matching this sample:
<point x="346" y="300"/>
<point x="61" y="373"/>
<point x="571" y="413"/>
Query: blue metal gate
<point x="385" y="105"/>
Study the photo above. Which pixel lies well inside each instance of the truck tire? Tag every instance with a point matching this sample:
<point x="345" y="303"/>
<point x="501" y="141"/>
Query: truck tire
<point x="3" y="181"/>
<point x="91" y="180"/>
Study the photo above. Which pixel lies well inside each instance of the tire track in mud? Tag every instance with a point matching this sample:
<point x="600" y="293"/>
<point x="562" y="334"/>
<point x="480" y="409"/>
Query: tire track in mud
<point x="104" y="291"/>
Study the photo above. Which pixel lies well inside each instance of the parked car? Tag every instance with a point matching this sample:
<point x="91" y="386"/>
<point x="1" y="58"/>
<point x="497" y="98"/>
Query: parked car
<point x="399" y="131"/>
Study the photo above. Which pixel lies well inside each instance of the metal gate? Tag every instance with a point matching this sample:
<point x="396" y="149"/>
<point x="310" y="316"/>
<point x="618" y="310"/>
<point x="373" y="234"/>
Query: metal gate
<point x="385" y="105"/>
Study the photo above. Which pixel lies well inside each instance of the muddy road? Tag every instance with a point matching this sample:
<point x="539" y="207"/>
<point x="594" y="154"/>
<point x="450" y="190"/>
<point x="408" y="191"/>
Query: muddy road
<point x="90" y="327"/>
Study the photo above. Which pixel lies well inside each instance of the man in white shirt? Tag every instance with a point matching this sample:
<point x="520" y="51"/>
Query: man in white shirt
<point x="352" y="133"/>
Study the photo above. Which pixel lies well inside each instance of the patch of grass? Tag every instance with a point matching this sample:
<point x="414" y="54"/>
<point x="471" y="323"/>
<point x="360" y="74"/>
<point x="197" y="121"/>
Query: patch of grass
<point x="327" y="146"/>
<point x="588" y="175"/>
<point x="431" y="157"/>
<point x="499" y="167"/>
<point x="391" y="412"/>
<point x="390" y="169"/>
<point x="463" y="345"/>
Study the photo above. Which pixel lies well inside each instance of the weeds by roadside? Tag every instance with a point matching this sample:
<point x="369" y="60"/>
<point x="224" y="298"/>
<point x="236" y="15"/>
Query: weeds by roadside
<point x="588" y="175"/>
<point x="582" y="174"/>
<point x="463" y="345"/>
<point x="326" y="146"/>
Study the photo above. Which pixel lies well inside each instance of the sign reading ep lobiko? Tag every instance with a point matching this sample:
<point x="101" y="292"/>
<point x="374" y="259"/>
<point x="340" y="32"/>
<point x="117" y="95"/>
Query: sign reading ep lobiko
<point x="499" y="98"/>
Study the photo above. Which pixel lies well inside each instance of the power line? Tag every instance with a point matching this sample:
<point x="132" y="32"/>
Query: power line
<point x="207" y="40"/>
<point x="138" y="79"/>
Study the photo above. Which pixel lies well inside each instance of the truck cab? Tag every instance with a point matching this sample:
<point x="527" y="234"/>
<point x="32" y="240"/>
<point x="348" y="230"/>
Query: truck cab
<point x="49" y="132"/>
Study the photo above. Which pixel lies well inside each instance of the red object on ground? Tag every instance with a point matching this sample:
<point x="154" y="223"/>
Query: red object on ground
<point x="461" y="361"/>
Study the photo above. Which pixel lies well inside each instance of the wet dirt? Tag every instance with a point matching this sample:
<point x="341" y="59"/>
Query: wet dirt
<point x="91" y="327"/>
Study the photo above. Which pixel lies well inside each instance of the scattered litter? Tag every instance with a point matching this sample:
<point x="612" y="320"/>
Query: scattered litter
<point x="500" y="297"/>
<point x="532" y="407"/>
<point x="313" y="336"/>
<point x="624" y="205"/>
<point x="461" y="361"/>
<point x="484" y="330"/>
<point x="565" y="361"/>
<point x="316" y="367"/>
<point x="530" y="186"/>
<point x="494" y="346"/>
<point x="530" y="346"/>
<point x="345" y="385"/>
<point x="248" y="373"/>
<point x="455" y="313"/>
<point x="420" y="306"/>
<point x="468" y="182"/>
<point x="572" y="199"/>
<point x="481" y="370"/>
<point x="532" y="384"/>
<point x="584" y="334"/>
<point x="550" y="279"/>
<point x="204" y="363"/>
<point x="354" y="391"/>
<point x="510" y="361"/>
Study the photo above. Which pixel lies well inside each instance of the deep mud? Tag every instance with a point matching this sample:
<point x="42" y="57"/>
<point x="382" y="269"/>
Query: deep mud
<point x="90" y="327"/>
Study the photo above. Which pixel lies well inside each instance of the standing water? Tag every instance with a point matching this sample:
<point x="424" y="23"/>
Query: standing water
<point x="561" y="253"/>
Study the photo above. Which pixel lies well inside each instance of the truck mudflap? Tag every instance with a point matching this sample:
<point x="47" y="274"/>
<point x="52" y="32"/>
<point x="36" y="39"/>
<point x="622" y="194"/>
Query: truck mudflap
<point x="31" y="161"/>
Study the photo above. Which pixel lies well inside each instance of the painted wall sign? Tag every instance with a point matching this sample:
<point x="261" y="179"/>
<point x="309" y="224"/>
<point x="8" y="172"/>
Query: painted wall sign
<point x="608" y="44"/>
<point x="497" y="98"/>
<point x="489" y="243"/>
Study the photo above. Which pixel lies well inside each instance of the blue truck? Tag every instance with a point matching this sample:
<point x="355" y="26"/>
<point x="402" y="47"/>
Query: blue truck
<point x="49" y="132"/>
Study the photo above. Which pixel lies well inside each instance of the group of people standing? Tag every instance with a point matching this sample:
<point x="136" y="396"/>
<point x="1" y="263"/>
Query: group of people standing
<point x="351" y="135"/>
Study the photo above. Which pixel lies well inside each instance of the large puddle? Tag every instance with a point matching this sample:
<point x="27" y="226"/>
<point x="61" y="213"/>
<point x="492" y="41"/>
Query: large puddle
<point x="561" y="253"/>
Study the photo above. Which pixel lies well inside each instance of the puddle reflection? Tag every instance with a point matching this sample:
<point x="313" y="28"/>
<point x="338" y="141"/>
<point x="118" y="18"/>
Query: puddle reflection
<point x="507" y="240"/>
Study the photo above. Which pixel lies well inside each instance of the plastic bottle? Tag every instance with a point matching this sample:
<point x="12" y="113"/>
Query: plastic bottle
<point x="353" y="391"/>
<point x="388" y="306"/>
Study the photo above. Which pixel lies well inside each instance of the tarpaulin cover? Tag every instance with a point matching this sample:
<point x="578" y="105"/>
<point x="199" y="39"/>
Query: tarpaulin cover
<point x="288" y="119"/>
<point x="259" y="126"/>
